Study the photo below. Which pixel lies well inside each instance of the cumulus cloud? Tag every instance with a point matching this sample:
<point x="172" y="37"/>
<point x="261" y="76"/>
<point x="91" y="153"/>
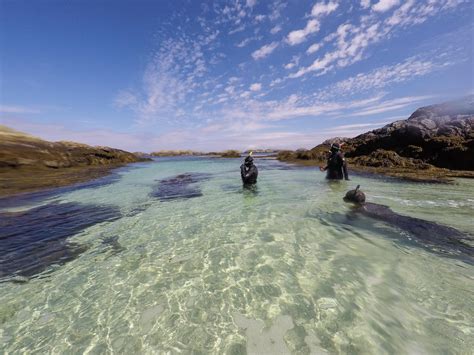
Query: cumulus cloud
<point x="275" y="29"/>
<point x="264" y="50"/>
<point x="352" y="40"/>
<point x="385" y="5"/>
<point x="180" y="81"/>
<point x="246" y="41"/>
<point x="313" y="48"/>
<point x="319" y="10"/>
<point x="324" y="8"/>
<point x="365" y="4"/>
<point x="294" y="62"/>
<point x="256" y="87"/>
<point x="251" y="3"/>
<point x="299" y="36"/>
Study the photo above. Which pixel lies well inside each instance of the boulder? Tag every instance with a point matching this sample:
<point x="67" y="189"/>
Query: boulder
<point x="440" y="135"/>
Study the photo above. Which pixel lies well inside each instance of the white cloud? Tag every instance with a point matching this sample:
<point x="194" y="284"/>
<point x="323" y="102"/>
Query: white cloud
<point x="170" y="79"/>
<point x="251" y="3"/>
<point x="260" y="18"/>
<point x="352" y="41"/>
<point x="17" y="109"/>
<point x="299" y="36"/>
<point x="180" y="84"/>
<point x="294" y="62"/>
<point x="246" y="41"/>
<point x="264" y="51"/>
<point x="385" y="5"/>
<point x="276" y="9"/>
<point x="125" y="99"/>
<point x="361" y="125"/>
<point x="364" y="4"/>
<point x="275" y="29"/>
<point x="313" y="48"/>
<point x="387" y="75"/>
<point x="391" y="105"/>
<point x="322" y="8"/>
<point x="256" y="87"/>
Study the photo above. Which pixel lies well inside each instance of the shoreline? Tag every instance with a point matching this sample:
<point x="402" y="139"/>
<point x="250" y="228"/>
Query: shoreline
<point x="16" y="183"/>
<point x="28" y="180"/>
<point x="433" y="176"/>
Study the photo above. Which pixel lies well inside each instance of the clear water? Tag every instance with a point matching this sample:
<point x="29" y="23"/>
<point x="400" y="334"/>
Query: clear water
<point x="278" y="270"/>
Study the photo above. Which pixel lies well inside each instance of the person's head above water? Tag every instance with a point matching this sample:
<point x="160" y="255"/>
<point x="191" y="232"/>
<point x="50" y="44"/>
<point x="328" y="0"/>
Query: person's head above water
<point x="355" y="196"/>
<point x="335" y="147"/>
<point x="249" y="160"/>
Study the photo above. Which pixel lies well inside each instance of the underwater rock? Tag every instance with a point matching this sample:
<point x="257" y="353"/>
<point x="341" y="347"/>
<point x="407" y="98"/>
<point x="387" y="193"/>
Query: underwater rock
<point x="181" y="186"/>
<point x="114" y="244"/>
<point x="33" y="240"/>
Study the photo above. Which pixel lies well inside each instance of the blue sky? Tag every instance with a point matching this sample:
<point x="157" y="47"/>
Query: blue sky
<point x="150" y="75"/>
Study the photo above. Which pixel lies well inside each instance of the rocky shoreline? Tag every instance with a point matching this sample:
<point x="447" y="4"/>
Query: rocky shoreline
<point x="435" y="144"/>
<point x="231" y="153"/>
<point x="29" y="164"/>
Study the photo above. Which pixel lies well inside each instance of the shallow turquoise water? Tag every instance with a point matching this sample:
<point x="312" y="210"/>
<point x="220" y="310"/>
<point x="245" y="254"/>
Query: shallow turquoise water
<point x="282" y="269"/>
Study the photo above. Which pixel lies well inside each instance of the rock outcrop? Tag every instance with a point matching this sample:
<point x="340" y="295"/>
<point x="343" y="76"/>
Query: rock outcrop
<point x="30" y="163"/>
<point x="436" y="142"/>
<point x="18" y="150"/>
<point x="440" y="135"/>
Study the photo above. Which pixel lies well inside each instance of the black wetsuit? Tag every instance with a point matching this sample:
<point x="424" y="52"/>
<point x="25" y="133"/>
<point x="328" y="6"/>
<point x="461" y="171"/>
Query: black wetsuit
<point x="249" y="174"/>
<point x="336" y="167"/>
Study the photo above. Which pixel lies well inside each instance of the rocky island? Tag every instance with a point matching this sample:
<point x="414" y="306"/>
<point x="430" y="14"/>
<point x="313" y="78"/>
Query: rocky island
<point x="231" y="153"/>
<point x="436" y="143"/>
<point x="29" y="163"/>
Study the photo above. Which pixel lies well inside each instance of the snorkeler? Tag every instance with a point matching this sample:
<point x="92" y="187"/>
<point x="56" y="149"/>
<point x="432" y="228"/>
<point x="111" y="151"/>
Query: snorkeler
<point x="248" y="171"/>
<point x="336" y="166"/>
<point x="429" y="234"/>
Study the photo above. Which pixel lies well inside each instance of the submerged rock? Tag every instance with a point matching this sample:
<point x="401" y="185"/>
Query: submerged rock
<point x="181" y="186"/>
<point x="33" y="240"/>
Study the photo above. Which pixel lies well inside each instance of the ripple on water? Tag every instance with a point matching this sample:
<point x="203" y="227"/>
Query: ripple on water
<point x="287" y="270"/>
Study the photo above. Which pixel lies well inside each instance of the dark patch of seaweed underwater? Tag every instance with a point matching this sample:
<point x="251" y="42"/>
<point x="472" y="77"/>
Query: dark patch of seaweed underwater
<point x="181" y="186"/>
<point x="33" y="240"/>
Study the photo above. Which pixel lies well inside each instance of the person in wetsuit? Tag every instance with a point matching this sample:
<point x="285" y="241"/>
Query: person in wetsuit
<point x="248" y="171"/>
<point x="336" y="168"/>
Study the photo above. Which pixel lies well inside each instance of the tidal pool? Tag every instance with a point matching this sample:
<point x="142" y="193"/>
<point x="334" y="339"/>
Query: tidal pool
<point x="174" y="256"/>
